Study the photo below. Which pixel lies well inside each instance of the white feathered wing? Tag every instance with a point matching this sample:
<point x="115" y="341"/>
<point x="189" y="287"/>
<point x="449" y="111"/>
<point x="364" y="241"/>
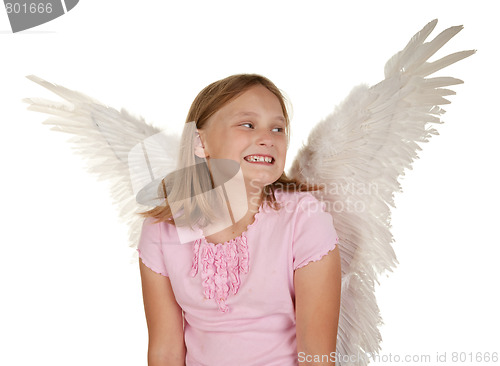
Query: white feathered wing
<point x="358" y="153"/>
<point x="105" y="137"/>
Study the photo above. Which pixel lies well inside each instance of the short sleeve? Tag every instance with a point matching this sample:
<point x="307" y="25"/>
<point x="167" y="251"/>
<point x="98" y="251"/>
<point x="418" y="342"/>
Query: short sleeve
<point x="314" y="234"/>
<point x="150" y="246"/>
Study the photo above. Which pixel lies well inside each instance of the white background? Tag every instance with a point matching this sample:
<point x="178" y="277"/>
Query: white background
<point x="69" y="293"/>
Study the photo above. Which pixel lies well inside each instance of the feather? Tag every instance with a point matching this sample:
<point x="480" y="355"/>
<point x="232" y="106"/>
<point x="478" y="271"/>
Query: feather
<point x="367" y="143"/>
<point x="104" y="137"/>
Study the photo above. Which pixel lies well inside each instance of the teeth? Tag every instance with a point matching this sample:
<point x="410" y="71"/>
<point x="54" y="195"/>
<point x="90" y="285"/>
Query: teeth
<point x="254" y="158"/>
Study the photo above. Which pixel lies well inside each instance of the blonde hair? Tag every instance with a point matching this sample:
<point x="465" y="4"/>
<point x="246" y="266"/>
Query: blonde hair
<point x="184" y="188"/>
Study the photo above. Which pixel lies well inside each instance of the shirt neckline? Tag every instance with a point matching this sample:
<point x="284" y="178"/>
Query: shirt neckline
<point x="239" y="237"/>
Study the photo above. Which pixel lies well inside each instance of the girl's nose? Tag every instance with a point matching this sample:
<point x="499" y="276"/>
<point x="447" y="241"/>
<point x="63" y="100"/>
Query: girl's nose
<point x="265" y="137"/>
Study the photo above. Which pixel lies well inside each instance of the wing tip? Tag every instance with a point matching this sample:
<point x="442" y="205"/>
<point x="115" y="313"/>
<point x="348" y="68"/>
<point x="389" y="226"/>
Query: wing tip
<point x="38" y="80"/>
<point x="34" y="78"/>
<point x="28" y="101"/>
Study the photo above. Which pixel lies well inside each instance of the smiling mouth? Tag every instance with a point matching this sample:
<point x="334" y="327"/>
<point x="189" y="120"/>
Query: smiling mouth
<point x="268" y="160"/>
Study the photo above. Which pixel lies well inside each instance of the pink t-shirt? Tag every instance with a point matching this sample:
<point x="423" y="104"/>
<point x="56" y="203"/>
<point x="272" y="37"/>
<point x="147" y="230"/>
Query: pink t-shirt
<point x="238" y="297"/>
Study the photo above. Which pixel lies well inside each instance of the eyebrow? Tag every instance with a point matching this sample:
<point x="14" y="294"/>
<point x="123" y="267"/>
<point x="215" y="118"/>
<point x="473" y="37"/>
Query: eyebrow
<point x="253" y="114"/>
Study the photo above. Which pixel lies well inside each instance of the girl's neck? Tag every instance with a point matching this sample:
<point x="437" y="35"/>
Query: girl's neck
<point x="235" y="230"/>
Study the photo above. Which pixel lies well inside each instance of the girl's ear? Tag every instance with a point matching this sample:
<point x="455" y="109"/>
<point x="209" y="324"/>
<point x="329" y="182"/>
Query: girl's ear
<point x="199" y="149"/>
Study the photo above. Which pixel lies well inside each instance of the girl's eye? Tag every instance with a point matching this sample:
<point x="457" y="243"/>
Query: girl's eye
<point x="275" y="129"/>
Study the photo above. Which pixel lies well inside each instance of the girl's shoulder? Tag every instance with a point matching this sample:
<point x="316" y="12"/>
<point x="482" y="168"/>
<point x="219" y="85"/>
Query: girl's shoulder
<point x="165" y="232"/>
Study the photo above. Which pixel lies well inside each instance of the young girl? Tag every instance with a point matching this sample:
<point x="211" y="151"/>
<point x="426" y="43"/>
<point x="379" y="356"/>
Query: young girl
<point x="263" y="290"/>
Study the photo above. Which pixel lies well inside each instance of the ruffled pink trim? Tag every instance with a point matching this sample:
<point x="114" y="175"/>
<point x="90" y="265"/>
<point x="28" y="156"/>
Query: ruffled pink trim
<point x="319" y="256"/>
<point x="149" y="266"/>
<point x="194" y="265"/>
<point x="222" y="266"/>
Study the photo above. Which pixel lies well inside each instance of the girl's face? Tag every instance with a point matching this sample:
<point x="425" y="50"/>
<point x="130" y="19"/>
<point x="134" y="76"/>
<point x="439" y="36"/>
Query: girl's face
<point x="251" y="131"/>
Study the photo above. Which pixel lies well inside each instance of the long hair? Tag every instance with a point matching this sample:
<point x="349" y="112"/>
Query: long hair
<point x="190" y="191"/>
